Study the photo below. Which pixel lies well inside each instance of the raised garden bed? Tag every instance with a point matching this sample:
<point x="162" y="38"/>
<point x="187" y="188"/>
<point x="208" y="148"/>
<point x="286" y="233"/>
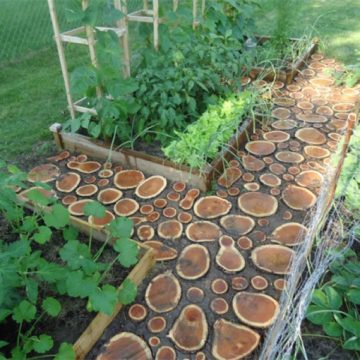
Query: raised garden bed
<point x="154" y="165"/>
<point x="100" y="322"/>
<point x="287" y="73"/>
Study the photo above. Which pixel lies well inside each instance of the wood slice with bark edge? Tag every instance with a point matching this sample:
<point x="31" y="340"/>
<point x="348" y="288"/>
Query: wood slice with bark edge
<point x="173" y="196"/>
<point x="275" y="259"/>
<point x="251" y="163"/>
<point x="229" y="258"/>
<point x="316" y="152"/>
<point x="77" y="208"/>
<point x="126" y="207"/>
<point x="88" y="167"/>
<point x="145" y="232"/>
<point x="298" y="198"/>
<point x="233" y="191"/>
<point x="233" y="341"/>
<point x="125" y="345"/>
<point x="128" y="179"/>
<point x="219" y="286"/>
<point x="259" y="282"/>
<point x="163" y="293"/>
<point x="270" y="180"/>
<point x="43" y="173"/>
<point x="171" y="229"/>
<point x="312" y="118"/>
<point x="222" y="193"/>
<point x="146" y="209"/>
<point x="260" y="147"/>
<point x="179" y="186"/>
<point x="254" y="309"/>
<point x="289" y="157"/>
<point x="281" y="113"/>
<point x="184" y="217"/>
<point x="154" y="341"/>
<point x="81" y="158"/>
<point x="68" y="182"/>
<point x="289" y="234"/>
<point x="105" y="173"/>
<point x="284" y="101"/>
<point x="219" y="306"/>
<point x="165" y="353"/>
<point x="63" y="155"/>
<point x="193" y="262"/>
<point x="276" y="136"/>
<point x="87" y="190"/>
<point x="68" y="200"/>
<point x="310" y="136"/>
<point x="151" y="187"/>
<point x="321" y="82"/>
<point x="24" y="195"/>
<point x="169" y="212"/>
<point x="244" y="243"/>
<point x="239" y="283"/>
<point x="230" y="176"/>
<point x="152" y="217"/>
<point x="91" y="179"/>
<point x="237" y="225"/>
<point x="160" y="203"/>
<point x="162" y="252"/>
<point x="211" y="207"/>
<point x="305" y="105"/>
<point x="309" y="179"/>
<point x="156" y="324"/>
<point x="254" y="186"/>
<point x="258" y="204"/>
<point x="137" y="312"/>
<point x="324" y="110"/>
<point x="201" y="231"/>
<point x="188" y="201"/>
<point x="280" y="284"/>
<point x="190" y="330"/>
<point x="101" y="222"/>
<point x="109" y="196"/>
<point x="284" y="124"/>
<point x="248" y="177"/>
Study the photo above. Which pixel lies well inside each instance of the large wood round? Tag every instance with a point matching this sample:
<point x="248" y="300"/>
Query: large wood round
<point x="229" y="258"/>
<point x="281" y="113"/>
<point x="233" y="341"/>
<point x="201" y="231"/>
<point x="284" y="124"/>
<point x="237" y="225"/>
<point x="68" y="182"/>
<point x="276" y="136"/>
<point x="44" y="173"/>
<point x="258" y="204"/>
<point x="193" y="262"/>
<point x="109" y="196"/>
<point x="311" y="136"/>
<point x="251" y="163"/>
<point x="211" y="207"/>
<point x="190" y="330"/>
<point x="289" y="157"/>
<point x="316" y="152"/>
<point x="171" y="229"/>
<point x="151" y="187"/>
<point x="128" y="179"/>
<point x="163" y="293"/>
<point x="126" y="345"/>
<point x="257" y="310"/>
<point x="290" y="234"/>
<point x="126" y="207"/>
<point x="312" y="118"/>
<point x="275" y="259"/>
<point x="260" y="147"/>
<point x="309" y="179"/>
<point x="298" y="198"/>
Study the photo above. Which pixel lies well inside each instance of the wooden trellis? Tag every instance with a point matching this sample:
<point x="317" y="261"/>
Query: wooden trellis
<point x="145" y="15"/>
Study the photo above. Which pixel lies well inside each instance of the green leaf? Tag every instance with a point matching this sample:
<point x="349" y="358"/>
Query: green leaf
<point x="319" y="298"/>
<point x="42" y="343"/>
<point x="352" y="344"/>
<point x="104" y="299"/>
<point x="66" y="351"/>
<point x="121" y="227"/>
<point x="31" y="290"/>
<point x="3" y="343"/>
<point x="77" y="285"/>
<point x="129" y="252"/>
<point x="319" y="315"/>
<point x="95" y="209"/>
<point x="332" y="328"/>
<point x="350" y="324"/>
<point x="127" y="292"/>
<point x="38" y="197"/>
<point x="334" y="299"/>
<point x="354" y="296"/>
<point x="58" y="217"/>
<point x="51" y="306"/>
<point x="43" y="235"/>
<point x="25" y="311"/>
<point x="70" y="233"/>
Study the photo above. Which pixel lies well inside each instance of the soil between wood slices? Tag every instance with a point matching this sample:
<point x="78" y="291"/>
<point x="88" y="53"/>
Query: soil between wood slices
<point x="74" y="317"/>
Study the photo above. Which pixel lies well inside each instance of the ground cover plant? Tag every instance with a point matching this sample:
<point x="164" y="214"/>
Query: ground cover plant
<point x="32" y="286"/>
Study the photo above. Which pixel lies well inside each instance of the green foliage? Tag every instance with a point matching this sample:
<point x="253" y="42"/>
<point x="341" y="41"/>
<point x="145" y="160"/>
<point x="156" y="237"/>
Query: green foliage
<point x="26" y="274"/>
<point x="349" y="76"/>
<point x="334" y="306"/>
<point x="202" y="140"/>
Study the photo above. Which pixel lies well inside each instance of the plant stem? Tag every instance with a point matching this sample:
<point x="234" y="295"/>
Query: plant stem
<point x="322" y="336"/>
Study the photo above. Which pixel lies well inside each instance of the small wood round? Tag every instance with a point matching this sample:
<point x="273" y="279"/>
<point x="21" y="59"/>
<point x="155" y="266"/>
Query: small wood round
<point x="263" y="222"/>
<point x="275" y="192"/>
<point x="173" y="196"/>
<point x="245" y="243"/>
<point x="156" y="324"/>
<point x="184" y="217"/>
<point x="248" y="177"/>
<point x="253" y="186"/>
<point x="195" y="295"/>
<point x="179" y="186"/>
<point x="287" y="215"/>
<point x="68" y="199"/>
<point x="239" y="283"/>
<point x="68" y="182"/>
<point x="281" y="113"/>
<point x="86" y="190"/>
<point x="101" y="222"/>
<point x="219" y="286"/>
<point x="268" y="160"/>
<point x="137" y="312"/>
<point x="81" y="158"/>
<point x="171" y="229"/>
<point x="288" y="177"/>
<point x="77" y="208"/>
<point x="105" y="173"/>
<point x="280" y="284"/>
<point x="154" y="341"/>
<point x="151" y="187"/>
<point x="103" y="182"/>
<point x="277" y="169"/>
<point x="270" y="180"/>
<point x="233" y="191"/>
<point x="126" y="207"/>
<point x="165" y="353"/>
<point x="153" y="216"/>
<point x="219" y="306"/>
<point x="258" y="235"/>
<point x="145" y="232"/>
<point x="200" y="356"/>
<point x="259" y="282"/>
<point x="188" y="201"/>
<point x="146" y="209"/>
<point x="90" y="179"/>
<point x="293" y="170"/>
<point x="160" y="203"/>
<point x="109" y="196"/>
<point x="222" y="193"/>
<point x="169" y="212"/>
<point x="211" y="207"/>
<point x="162" y="252"/>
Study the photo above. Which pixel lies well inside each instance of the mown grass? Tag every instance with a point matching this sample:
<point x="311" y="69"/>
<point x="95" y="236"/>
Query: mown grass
<point x="31" y="88"/>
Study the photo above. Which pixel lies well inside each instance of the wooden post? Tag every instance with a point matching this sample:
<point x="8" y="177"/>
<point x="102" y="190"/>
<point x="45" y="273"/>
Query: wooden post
<point x="175" y="5"/>
<point x="203" y="7"/>
<point x="123" y="23"/>
<point x="156" y="24"/>
<point x="195" y="6"/>
<point x="60" y="49"/>
<point x="146" y="5"/>
<point x="91" y="40"/>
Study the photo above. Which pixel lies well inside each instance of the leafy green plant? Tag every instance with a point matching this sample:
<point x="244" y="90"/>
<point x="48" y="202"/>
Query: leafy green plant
<point x="202" y="140"/>
<point x="349" y="76"/>
<point x="334" y="305"/>
<point x="26" y="274"/>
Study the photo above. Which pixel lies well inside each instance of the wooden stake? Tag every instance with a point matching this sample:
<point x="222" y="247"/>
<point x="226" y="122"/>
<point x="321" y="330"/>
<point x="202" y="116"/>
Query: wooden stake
<point x="156" y="24"/>
<point x="175" y="5"/>
<point x="195" y="5"/>
<point x="203" y="7"/>
<point x="60" y="49"/>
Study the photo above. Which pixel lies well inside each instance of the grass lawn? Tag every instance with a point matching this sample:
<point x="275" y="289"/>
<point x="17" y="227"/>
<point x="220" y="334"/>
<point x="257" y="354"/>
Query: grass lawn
<point x="32" y="93"/>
